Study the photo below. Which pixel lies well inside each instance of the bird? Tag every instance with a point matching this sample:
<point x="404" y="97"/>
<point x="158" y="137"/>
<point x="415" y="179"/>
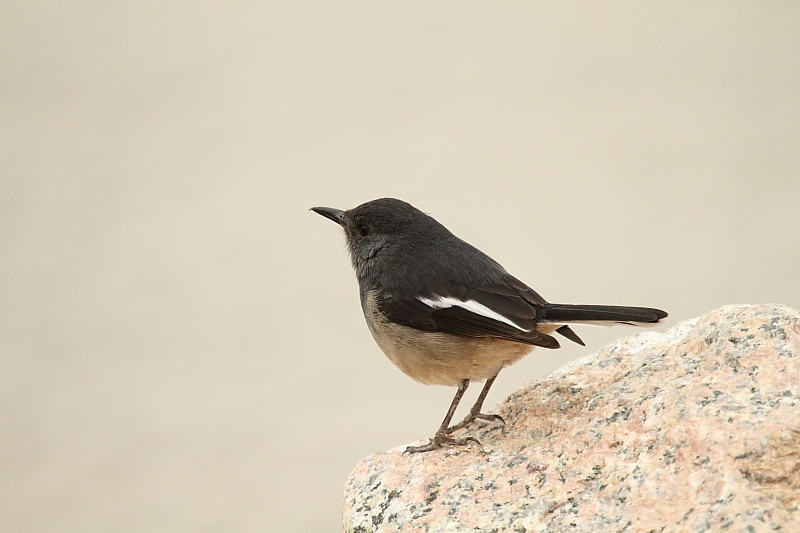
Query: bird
<point x="446" y="313"/>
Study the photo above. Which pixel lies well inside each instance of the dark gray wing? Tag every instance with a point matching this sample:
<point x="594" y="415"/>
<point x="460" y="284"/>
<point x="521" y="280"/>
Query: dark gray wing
<point x="489" y="311"/>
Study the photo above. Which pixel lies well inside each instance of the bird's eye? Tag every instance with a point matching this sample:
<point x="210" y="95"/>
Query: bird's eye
<point x="363" y="230"/>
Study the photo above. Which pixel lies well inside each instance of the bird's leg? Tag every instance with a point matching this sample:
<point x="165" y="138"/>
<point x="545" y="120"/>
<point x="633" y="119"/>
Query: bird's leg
<point x="475" y="412"/>
<point x="441" y="438"/>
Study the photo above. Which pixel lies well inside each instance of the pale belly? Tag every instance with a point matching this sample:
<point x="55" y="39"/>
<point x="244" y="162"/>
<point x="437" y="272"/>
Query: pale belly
<point x="437" y="358"/>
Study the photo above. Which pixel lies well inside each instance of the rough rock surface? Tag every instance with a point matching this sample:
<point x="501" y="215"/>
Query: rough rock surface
<point x="694" y="429"/>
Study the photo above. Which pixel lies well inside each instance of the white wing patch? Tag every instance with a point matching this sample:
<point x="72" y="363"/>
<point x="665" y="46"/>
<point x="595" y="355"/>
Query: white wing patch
<point x="472" y="306"/>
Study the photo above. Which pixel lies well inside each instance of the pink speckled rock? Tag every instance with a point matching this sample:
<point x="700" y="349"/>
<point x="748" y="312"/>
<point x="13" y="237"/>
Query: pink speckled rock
<point x="694" y="429"/>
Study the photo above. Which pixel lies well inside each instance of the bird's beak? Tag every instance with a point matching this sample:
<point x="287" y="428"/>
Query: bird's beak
<point x="331" y="213"/>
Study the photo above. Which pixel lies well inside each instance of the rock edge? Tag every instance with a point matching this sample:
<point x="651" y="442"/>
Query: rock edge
<point x="693" y="429"/>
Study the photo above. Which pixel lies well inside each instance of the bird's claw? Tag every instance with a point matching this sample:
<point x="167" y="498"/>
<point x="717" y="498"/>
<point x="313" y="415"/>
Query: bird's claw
<point x="439" y="441"/>
<point x="496" y="420"/>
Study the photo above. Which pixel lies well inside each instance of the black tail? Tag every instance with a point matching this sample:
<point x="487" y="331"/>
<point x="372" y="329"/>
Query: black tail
<point x="604" y="315"/>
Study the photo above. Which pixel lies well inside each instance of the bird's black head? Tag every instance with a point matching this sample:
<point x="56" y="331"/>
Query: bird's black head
<point x="376" y="226"/>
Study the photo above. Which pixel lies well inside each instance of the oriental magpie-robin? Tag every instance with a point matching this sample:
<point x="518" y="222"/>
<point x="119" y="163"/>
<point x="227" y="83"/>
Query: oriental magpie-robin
<point x="446" y="313"/>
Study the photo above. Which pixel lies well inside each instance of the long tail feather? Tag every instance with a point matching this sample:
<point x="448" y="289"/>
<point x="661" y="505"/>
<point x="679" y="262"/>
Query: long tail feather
<point x="607" y="315"/>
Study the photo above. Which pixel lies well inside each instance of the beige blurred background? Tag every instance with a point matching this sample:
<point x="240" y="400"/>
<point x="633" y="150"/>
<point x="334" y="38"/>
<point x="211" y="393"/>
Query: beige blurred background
<point x="181" y="343"/>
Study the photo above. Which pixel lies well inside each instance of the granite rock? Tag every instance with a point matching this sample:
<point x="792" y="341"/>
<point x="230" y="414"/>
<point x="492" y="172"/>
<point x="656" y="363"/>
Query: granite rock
<point x="693" y="429"/>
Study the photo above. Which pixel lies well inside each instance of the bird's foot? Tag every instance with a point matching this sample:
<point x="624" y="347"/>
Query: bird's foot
<point x="440" y="440"/>
<point x="496" y="420"/>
